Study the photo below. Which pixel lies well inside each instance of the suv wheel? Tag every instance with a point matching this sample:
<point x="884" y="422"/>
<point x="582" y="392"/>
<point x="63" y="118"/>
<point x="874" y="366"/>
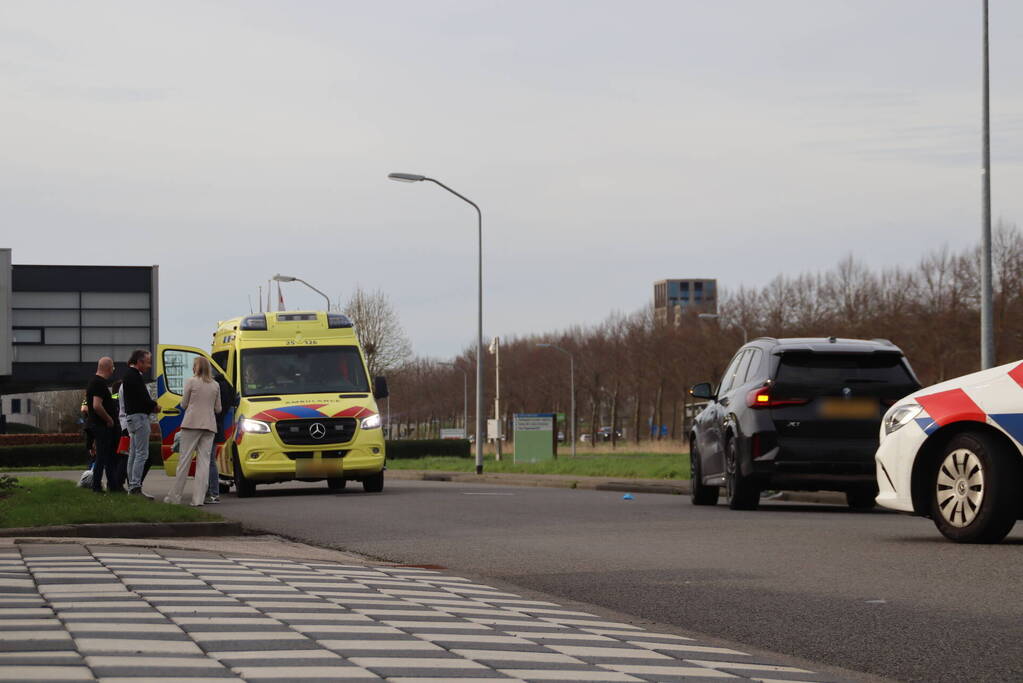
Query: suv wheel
<point x="742" y="492"/>
<point x="700" y="492"/>
<point x="861" y="498"/>
<point x="972" y="490"/>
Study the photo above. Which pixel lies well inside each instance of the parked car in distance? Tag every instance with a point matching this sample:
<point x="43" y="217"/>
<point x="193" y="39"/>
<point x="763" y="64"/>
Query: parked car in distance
<point x="604" y="434"/>
<point x="952" y="452"/>
<point x="796" y="414"/>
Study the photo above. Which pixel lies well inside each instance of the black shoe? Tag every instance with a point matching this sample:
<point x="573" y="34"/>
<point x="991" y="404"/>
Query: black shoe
<point x="139" y="492"/>
<point x="118" y="490"/>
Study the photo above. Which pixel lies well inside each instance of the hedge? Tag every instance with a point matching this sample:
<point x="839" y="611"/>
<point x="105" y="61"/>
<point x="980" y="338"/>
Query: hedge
<point x="74" y="455"/>
<point x="22" y="428"/>
<point x="56" y="455"/>
<point x="33" y="439"/>
<point x="27" y="439"/>
<point x="405" y="449"/>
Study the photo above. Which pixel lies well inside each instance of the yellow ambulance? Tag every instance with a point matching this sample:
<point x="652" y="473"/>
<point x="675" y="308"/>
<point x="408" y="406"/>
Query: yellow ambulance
<point x="304" y="408"/>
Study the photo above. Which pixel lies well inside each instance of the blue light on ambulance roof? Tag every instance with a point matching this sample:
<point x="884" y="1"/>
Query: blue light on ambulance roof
<point x="335" y="320"/>
<point x="254" y="322"/>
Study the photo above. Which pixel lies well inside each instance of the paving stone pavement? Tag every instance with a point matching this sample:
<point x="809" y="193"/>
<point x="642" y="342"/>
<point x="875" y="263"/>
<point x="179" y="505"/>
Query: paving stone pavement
<point x="74" y="612"/>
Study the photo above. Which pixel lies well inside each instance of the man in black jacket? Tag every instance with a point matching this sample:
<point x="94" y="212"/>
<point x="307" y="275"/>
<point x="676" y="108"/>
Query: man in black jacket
<point x="102" y="421"/>
<point x="138" y="405"/>
<point x="227" y="401"/>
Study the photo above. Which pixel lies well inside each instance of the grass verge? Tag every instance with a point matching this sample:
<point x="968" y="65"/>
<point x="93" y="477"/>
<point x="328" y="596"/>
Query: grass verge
<point x="619" y="465"/>
<point x="38" y="501"/>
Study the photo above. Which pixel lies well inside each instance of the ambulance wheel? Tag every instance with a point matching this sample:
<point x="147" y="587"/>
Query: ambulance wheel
<point x="243" y="487"/>
<point x="374" y="484"/>
<point x="337" y="484"/>
<point x="225" y="486"/>
<point x="974" y="497"/>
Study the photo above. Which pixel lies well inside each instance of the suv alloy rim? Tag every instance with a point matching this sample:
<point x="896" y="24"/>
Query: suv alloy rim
<point x="960" y="487"/>
<point x="730" y="468"/>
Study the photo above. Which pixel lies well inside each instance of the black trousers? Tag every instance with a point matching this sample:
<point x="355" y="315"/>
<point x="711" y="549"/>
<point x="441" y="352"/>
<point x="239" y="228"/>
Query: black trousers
<point x="107" y="459"/>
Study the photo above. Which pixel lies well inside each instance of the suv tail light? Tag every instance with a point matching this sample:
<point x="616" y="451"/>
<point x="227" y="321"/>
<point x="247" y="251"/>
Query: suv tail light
<point x="761" y="398"/>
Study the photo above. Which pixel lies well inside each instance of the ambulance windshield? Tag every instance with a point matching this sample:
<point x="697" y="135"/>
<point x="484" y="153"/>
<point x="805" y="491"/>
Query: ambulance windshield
<point x="302" y="370"/>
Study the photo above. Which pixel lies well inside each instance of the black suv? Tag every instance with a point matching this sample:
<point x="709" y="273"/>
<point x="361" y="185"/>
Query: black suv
<point x="796" y="414"/>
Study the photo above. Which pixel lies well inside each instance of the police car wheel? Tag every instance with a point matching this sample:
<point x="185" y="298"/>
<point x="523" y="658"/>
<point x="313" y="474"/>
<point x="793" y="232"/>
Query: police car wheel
<point x="974" y="488"/>
<point x="700" y="493"/>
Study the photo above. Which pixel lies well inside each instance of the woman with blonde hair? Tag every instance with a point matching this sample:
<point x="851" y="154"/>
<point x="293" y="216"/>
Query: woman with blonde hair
<point x="201" y="402"/>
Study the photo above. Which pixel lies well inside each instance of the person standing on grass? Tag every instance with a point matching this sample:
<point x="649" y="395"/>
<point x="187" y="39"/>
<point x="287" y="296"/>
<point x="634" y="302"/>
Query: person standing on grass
<point x="201" y="403"/>
<point x="138" y="405"/>
<point x="104" y="427"/>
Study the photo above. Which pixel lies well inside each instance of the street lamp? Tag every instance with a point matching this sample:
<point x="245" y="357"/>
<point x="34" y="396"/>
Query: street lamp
<point x="715" y="316"/>
<point x="987" y="333"/>
<point x="480" y="434"/>
<point x="571" y="367"/>
<point x="465" y="397"/>
<point x="287" y="278"/>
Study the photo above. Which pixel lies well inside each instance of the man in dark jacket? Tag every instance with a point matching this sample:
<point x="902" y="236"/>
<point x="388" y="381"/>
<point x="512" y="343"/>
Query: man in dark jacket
<point x="138" y="405"/>
<point x="227" y="402"/>
<point x="103" y="423"/>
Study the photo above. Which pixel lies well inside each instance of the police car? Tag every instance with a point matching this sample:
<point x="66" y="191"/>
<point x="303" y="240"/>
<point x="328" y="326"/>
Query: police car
<point x="952" y="452"/>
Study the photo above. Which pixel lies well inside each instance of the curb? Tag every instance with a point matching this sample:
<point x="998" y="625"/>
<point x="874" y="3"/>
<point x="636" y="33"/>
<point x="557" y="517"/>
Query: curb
<point x="677" y="487"/>
<point x="130" y="530"/>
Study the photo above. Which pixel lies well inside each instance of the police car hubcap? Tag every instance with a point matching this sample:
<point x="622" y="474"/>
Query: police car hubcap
<point x="960" y="487"/>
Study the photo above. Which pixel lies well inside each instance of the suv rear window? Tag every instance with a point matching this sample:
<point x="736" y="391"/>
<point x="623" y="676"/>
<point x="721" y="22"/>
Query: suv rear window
<point x="830" y="369"/>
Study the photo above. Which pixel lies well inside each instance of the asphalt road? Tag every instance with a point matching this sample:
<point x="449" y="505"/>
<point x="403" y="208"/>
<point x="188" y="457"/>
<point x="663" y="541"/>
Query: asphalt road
<point x="874" y="592"/>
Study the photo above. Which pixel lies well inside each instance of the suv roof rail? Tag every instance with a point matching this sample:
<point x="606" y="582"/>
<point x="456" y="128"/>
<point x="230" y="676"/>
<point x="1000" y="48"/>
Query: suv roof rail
<point x="881" y="340"/>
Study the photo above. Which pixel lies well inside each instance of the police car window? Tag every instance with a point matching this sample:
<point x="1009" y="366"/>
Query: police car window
<point x="302" y="370"/>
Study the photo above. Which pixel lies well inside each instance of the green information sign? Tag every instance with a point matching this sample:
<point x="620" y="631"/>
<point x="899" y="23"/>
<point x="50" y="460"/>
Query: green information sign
<point x="535" y="437"/>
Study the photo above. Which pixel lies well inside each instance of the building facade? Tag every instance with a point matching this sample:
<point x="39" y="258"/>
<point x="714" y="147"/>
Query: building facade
<point x="673" y="298"/>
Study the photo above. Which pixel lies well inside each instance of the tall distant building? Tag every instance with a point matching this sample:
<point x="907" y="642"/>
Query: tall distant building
<point x="672" y="298"/>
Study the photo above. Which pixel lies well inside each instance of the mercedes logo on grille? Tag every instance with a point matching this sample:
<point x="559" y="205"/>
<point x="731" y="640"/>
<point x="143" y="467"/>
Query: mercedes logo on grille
<point x="317" y="430"/>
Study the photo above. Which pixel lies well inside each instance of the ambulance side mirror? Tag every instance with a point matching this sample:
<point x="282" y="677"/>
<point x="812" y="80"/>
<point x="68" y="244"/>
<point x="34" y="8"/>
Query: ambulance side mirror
<point x="380" y="388"/>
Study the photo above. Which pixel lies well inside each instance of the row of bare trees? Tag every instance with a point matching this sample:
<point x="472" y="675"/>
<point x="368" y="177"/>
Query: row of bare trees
<point x="633" y="371"/>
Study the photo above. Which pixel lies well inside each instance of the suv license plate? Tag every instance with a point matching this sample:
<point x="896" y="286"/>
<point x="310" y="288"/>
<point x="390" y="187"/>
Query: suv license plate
<point x="850" y="409"/>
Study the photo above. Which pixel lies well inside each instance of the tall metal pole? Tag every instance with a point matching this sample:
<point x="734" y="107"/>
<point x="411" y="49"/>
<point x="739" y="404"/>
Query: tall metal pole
<point x="987" y="335"/>
<point x="480" y="424"/>
<point x="571" y="366"/>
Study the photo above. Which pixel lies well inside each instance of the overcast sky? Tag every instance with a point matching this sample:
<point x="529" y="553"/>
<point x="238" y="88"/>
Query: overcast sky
<point x="609" y="144"/>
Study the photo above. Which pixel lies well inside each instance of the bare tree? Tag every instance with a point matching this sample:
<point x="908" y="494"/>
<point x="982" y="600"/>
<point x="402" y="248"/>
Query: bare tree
<point x="383" y="340"/>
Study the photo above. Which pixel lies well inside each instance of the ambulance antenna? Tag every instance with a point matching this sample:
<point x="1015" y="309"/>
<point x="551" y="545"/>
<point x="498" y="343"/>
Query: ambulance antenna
<point x="250" y="304"/>
<point x="260" y="298"/>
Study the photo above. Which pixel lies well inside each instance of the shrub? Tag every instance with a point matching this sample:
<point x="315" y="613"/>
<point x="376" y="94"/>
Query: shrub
<point x="40" y="438"/>
<point x="414" y="448"/>
<point x="19" y="428"/>
<point x="56" y="455"/>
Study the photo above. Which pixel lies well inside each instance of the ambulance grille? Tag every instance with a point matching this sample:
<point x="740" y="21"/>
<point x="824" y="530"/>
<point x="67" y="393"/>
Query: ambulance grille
<point x="307" y="432"/>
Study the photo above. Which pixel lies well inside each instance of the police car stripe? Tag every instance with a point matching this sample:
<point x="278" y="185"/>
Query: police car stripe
<point x="951" y="406"/>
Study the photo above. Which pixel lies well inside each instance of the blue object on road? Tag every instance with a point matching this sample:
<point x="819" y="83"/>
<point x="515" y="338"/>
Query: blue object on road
<point x="627" y="496"/>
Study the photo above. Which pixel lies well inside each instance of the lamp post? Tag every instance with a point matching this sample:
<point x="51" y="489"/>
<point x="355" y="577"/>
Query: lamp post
<point x="715" y="316"/>
<point x="465" y="396"/>
<point x="571" y="369"/>
<point x="987" y="334"/>
<point x="480" y="434"/>
<point x="287" y="278"/>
